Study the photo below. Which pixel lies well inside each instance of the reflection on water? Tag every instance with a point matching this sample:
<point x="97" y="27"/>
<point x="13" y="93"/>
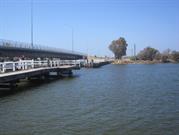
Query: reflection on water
<point x="112" y="100"/>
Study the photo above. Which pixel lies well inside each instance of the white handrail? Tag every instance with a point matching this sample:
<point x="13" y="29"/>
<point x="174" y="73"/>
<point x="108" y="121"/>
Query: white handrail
<point x="11" y="66"/>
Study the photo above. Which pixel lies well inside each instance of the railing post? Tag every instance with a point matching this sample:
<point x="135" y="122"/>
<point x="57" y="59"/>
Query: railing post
<point x="59" y="62"/>
<point x="25" y="64"/>
<point x="3" y="67"/>
<point x="13" y="66"/>
<point x="54" y="63"/>
<point x="42" y="63"/>
<point x="0" y="67"/>
<point x="32" y="63"/>
<point x="39" y="63"/>
<point x="79" y="64"/>
<point x="19" y="65"/>
<point x="22" y="63"/>
<point x="51" y="63"/>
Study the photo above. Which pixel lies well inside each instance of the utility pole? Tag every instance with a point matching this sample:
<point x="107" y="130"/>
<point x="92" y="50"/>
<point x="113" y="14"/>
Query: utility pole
<point x="72" y="39"/>
<point x="32" y="32"/>
<point x="135" y="51"/>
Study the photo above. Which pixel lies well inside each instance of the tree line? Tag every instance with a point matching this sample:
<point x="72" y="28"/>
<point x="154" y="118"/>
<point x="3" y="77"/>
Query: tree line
<point x="151" y="54"/>
<point x="119" y="47"/>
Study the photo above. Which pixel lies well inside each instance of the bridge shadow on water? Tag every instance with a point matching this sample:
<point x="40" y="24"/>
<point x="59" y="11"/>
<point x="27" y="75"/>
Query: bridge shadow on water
<point x="25" y="85"/>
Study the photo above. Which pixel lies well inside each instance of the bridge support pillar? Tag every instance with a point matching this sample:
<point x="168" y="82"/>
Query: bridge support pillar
<point x="66" y="73"/>
<point x="8" y="85"/>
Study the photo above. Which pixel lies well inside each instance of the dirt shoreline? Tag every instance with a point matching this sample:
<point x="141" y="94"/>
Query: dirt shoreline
<point x="139" y="62"/>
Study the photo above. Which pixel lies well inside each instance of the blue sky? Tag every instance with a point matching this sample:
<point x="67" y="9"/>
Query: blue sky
<point x="96" y="23"/>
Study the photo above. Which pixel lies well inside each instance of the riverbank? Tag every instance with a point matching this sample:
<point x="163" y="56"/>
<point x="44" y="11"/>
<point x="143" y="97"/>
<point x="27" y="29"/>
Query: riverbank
<point x="139" y="62"/>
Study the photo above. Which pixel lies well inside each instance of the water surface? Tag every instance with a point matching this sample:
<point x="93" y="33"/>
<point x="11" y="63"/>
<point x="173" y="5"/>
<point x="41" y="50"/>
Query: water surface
<point x="112" y="100"/>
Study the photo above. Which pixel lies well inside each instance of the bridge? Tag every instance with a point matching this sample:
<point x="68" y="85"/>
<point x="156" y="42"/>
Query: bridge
<point x="13" y="49"/>
<point x="22" y="61"/>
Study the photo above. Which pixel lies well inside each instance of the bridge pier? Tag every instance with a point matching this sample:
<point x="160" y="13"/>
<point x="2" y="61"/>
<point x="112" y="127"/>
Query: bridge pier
<point x="39" y="77"/>
<point x="61" y="73"/>
<point x="66" y="73"/>
<point x="8" y="85"/>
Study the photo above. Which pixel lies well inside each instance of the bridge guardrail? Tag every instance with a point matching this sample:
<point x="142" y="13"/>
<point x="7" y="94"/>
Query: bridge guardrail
<point x="22" y="45"/>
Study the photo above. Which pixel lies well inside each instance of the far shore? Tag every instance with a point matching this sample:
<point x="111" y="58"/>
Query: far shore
<point x="141" y="62"/>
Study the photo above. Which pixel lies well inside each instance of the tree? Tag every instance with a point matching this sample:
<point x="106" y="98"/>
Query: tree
<point x="164" y="58"/>
<point x="175" y="56"/>
<point x="158" y="56"/>
<point x="166" y="55"/>
<point x="118" y="47"/>
<point x="167" y="52"/>
<point x="148" y="54"/>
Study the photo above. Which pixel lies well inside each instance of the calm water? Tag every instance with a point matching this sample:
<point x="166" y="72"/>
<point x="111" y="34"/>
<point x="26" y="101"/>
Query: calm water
<point x="112" y="100"/>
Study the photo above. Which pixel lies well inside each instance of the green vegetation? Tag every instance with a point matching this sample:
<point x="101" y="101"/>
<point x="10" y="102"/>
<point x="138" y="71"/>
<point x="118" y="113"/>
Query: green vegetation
<point x="118" y="47"/>
<point x="175" y="56"/>
<point x="152" y="54"/>
<point x="148" y="54"/>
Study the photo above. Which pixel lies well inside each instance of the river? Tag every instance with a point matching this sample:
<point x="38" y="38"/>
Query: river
<point x="112" y="100"/>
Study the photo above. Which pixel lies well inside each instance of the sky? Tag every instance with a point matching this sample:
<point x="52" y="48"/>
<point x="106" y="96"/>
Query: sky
<point x="95" y="23"/>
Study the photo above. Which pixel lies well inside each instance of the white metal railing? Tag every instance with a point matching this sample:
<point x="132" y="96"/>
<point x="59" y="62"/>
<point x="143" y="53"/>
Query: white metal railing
<point x="11" y="66"/>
